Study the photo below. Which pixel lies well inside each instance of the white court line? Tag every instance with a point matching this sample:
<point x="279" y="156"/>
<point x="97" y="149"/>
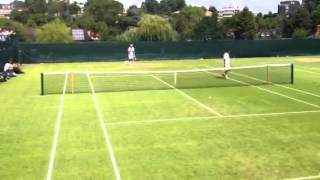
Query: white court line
<point x="105" y="132"/>
<point x="305" y="178"/>
<point x="307" y="71"/>
<point x="273" y="92"/>
<point x="293" y="89"/>
<point x="57" y="131"/>
<point x="189" y="97"/>
<point x="208" y="118"/>
<point x="276" y="93"/>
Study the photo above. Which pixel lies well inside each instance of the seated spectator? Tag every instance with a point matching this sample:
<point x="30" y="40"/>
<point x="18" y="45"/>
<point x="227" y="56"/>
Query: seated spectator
<point x="17" y="68"/>
<point x="9" y="69"/>
<point x="6" y="35"/>
<point x="3" y="77"/>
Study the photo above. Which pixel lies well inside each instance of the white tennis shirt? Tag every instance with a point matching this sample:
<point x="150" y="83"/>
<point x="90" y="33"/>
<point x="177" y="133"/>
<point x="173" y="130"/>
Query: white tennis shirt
<point x="226" y="58"/>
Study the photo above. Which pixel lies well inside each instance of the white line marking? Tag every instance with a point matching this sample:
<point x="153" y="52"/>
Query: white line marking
<point x="57" y="131"/>
<point x="293" y="89"/>
<point x="273" y="92"/>
<point x="276" y="93"/>
<point x="209" y="118"/>
<point x="189" y="97"/>
<point x="307" y="71"/>
<point x="305" y="178"/>
<point x="104" y="130"/>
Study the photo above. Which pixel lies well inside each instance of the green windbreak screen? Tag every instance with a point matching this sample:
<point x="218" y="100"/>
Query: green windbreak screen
<point x="105" y="51"/>
<point x="8" y="49"/>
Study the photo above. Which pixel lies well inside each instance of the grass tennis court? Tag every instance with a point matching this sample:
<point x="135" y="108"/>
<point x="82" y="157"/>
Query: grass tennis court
<point x="269" y="131"/>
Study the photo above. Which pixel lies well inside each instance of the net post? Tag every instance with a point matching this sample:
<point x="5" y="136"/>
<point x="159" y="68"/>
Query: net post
<point x="42" y="83"/>
<point x="292" y="73"/>
<point x="175" y="78"/>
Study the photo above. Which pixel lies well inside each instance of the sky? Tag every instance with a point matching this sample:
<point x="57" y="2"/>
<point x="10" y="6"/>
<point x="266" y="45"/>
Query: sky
<point x="254" y="5"/>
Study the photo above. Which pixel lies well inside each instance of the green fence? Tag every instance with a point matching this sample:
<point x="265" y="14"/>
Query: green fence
<point x="8" y="50"/>
<point x="112" y="51"/>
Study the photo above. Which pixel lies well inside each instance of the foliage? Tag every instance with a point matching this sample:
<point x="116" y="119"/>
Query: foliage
<point x="209" y="29"/>
<point x="245" y="25"/>
<point x="19" y="15"/>
<point x="151" y="6"/>
<point x="170" y="6"/>
<point x="54" y="32"/>
<point x="186" y="21"/>
<point x="300" y="34"/>
<point x="301" y="19"/>
<point x="106" y="11"/>
<point x="131" y="19"/>
<point x="129" y="36"/>
<point x="36" y="6"/>
<point x="311" y="4"/>
<point x="108" y="18"/>
<point x="315" y="16"/>
<point x="150" y="28"/>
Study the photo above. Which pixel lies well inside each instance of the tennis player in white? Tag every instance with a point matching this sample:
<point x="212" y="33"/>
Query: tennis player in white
<point x="227" y="65"/>
<point x="131" y="53"/>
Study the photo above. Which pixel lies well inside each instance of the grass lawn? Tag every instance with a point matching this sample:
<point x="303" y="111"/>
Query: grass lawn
<point x="269" y="131"/>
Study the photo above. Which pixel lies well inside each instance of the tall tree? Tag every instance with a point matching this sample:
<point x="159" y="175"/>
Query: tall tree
<point x="150" y="28"/>
<point x="107" y="11"/>
<point x="36" y="6"/>
<point x="170" y="6"/>
<point x="131" y="18"/>
<point x="186" y="20"/>
<point x="245" y="25"/>
<point x="208" y="29"/>
<point x="316" y="16"/>
<point x="151" y="6"/>
<point x="311" y="4"/>
<point x="54" y="32"/>
<point x="301" y="19"/>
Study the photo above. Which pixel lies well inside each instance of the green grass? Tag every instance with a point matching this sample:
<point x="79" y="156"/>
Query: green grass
<point x="161" y="134"/>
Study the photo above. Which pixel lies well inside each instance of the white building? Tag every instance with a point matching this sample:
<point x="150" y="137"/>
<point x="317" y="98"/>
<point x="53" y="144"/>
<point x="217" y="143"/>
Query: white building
<point x="228" y="11"/>
<point x="5" y="10"/>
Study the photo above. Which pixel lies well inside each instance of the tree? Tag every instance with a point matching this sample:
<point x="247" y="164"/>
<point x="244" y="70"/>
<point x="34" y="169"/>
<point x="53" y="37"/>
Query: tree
<point x="107" y="11"/>
<point x="300" y="34"/>
<point x="287" y="28"/>
<point x="19" y="15"/>
<point x="151" y="6"/>
<point x="151" y="28"/>
<point x="54" y="32"/>
<point x="131" y="19"/>
<point x="267" y="22"/>
<point x="301" y="19"/>
<point x="36" y="6"/>
<point x="185" y="21"/>
<point x="134" y="11"/>
<point x="213" y="9"/>
<point x="311" y="4"/>
<point x="170" y="6"/>
<point x="58" y="9"/>
<point x="208" y="29"/>
<point x="316" y="16"/>
<point x="18" y="4"/>
<point x="245" y="25"/>
<point x="74" y="8"/>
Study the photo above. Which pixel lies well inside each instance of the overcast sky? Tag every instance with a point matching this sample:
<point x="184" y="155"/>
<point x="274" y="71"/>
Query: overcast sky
<point x="254" y="5"/>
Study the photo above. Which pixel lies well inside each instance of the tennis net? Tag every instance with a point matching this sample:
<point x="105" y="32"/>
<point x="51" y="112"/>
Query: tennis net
<point x="78" y="82"/>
